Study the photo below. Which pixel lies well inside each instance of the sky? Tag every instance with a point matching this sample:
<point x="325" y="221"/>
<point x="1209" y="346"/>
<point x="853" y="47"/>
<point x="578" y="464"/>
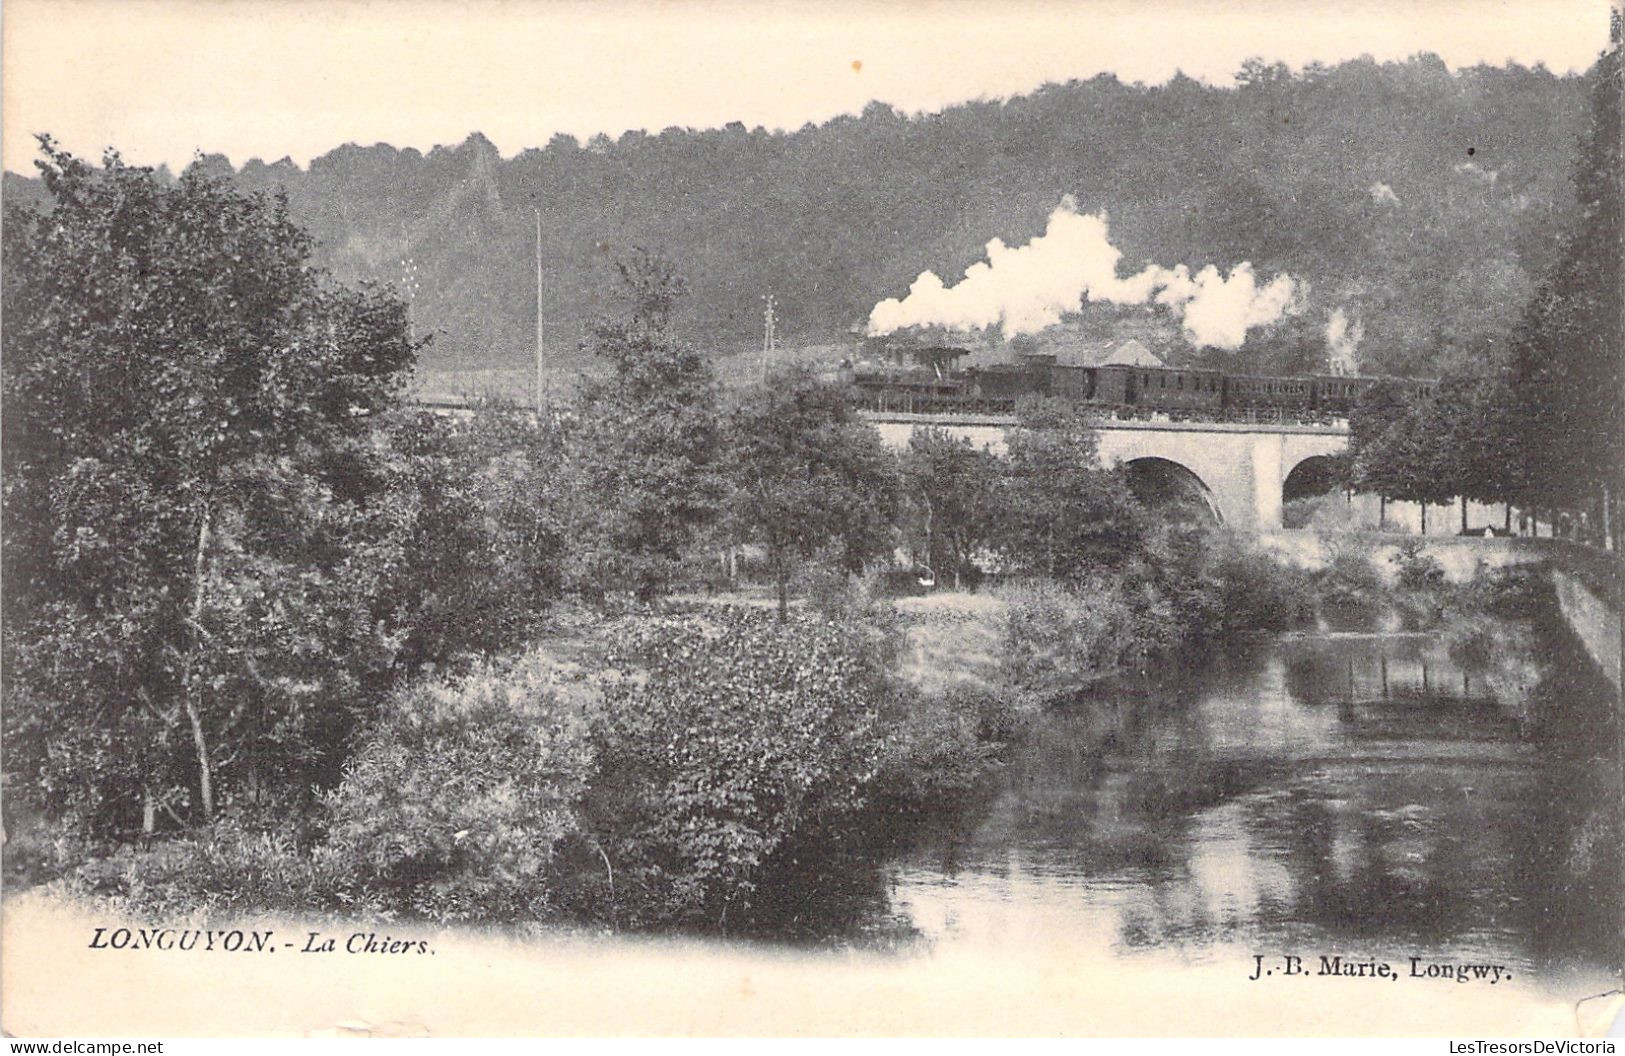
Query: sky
<point x="163" y="79"/>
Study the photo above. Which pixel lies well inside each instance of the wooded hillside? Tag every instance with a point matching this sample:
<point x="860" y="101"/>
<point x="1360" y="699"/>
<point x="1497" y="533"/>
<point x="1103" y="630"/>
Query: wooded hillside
<point x="1424" y="205"/>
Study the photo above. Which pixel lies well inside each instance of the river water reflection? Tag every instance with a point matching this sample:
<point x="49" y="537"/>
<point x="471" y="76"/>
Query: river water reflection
<point x="1359" y="795"/>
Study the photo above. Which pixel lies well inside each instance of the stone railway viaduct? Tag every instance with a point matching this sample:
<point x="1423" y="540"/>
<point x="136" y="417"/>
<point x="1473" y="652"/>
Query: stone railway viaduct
<point x="1239" y="468"/>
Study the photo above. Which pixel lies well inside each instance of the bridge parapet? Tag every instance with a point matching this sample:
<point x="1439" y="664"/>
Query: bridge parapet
<point x="1328" y="427"/>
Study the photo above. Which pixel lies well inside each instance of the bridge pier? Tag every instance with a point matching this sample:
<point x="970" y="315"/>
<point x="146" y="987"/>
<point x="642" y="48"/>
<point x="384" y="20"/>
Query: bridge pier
<point x="1268" y="480"/>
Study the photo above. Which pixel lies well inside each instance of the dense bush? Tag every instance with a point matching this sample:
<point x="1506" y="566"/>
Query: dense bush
<point x="730" y="738"/>
<point x="1421" y="591"/>
<point x="1349" y="581"/>
<point x="1508" y="593"/>
<point x="1190" y="587"/>
<point x="1417" y="569"/>
<point x="944" y="745"/>
<point x="226" y="869"/>
<point x="462" y="801"/>
<point x="1260" y="593"/>
<point x="1059" y="636"/>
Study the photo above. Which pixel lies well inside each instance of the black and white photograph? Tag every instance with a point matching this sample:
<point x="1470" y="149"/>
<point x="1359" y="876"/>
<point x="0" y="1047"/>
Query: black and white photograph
<point x="526" y="518"/>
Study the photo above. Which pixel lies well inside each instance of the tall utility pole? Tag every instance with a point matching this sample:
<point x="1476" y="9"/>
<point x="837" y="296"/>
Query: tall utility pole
<point x="541" y="359"/>
<point x="409" y="280"/>
<point x="770" y="337"/>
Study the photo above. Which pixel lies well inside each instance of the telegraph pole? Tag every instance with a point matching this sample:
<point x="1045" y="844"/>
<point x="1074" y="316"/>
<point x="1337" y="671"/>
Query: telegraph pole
<point x="770" y="337"/>
<point x="541" y="360"/>
<point x="409" y="280"/>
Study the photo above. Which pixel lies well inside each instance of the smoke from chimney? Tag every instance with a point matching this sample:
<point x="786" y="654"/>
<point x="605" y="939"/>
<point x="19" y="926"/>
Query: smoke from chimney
<point x="1025" y="289"/>
<point x="1341" y="342"/>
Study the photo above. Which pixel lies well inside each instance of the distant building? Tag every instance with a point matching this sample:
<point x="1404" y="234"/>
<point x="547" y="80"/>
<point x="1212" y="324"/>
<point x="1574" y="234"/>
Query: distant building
<point x="1071" y="350"/>
<point x="1131" y="354"/>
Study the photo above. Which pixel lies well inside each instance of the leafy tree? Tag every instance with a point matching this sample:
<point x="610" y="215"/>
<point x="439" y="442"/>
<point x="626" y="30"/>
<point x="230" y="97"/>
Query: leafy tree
<point x="954" y="486"/>
<point x="1064" y="514"/>
<point x="477" y="507"/>
<point x="645" y="443"/>
<point x="742" y="740"/>
<point x="522" y="486"/>
<point x="190" y="545"/>
<point x="1372" y="424"/>
<point x="1568" y="359"/>
<point x="1478" y="437"/>
<point x="1410" y="457"/>
<point x="807" y="471"/>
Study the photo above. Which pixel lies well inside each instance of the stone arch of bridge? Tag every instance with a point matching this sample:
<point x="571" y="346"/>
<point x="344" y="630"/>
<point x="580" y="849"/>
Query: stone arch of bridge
<point x="1312" y="476"/>
<point x="1164" y="482"/>
<point x="1305" y="467"/>
<point x="1222" y="461"/>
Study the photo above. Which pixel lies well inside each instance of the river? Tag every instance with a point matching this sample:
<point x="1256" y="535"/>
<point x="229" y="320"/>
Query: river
<point x="1340" y="794"/>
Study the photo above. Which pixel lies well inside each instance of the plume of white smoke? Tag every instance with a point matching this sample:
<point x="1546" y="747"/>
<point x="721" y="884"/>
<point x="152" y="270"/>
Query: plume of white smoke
<point x="1218" y="311"/>
<point x="1383" y="194"/>
<point x="1341" y="342"/>
<point x="1024" y="289"/>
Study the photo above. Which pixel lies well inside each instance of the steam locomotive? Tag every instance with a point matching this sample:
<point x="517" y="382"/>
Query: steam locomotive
<point x="929" y="381"/>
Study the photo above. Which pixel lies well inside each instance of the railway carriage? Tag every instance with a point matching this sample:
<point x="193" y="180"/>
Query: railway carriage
<point x="1073" y="383"/>
<point x="928" y="379"/>
<point x="1255" y="392"/>
<point x="1337" y="394"/>
<point x="1179" y="390"/>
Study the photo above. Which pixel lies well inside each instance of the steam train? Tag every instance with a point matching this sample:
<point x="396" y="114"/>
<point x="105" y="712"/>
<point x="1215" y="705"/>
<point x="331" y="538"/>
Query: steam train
<point x="928" y="381"/>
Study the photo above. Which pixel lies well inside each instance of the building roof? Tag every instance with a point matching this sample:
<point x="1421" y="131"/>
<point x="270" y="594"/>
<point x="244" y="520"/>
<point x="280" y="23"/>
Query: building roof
<point x="1131" y="354"/>
<point x="1073" y="349"/>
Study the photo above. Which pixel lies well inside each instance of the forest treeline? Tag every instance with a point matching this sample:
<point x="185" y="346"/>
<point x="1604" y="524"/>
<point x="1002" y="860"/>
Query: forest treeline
<point x="1419" y="202"/>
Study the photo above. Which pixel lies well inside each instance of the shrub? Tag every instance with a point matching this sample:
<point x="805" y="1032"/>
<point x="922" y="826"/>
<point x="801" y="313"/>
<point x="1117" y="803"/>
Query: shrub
<point x="225" y="869"/>
<point x="946" y="744"/>
<point x="1057" y="637"/>
<point x="1255" y="592"/>
<point x="1509" y="593"/>
<point x="1421" y="591"/>
<point x="731" y="739"/>
<point x="461" y="801"/>
<point x="1418" y="570"/>
<point x="1349" y="580"/>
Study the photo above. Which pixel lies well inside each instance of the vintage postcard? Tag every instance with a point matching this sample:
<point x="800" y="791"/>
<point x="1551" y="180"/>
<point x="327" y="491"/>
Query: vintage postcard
<point x="731" y="519"/>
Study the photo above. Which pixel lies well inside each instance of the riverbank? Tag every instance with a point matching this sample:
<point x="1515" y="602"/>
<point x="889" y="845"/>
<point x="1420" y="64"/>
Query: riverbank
<point x="487" y="984"/>
<point x="1135" y="853"/>
<point x="706" y="767"/>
